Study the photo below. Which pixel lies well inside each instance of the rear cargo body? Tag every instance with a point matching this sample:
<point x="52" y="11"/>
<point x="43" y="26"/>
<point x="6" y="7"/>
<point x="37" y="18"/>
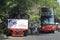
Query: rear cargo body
<point x="18" y="26"/>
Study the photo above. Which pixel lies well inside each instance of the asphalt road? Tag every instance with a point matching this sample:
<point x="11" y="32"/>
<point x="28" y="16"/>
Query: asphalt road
<point x="42" y="36"/>
<point x="1" y="38"/>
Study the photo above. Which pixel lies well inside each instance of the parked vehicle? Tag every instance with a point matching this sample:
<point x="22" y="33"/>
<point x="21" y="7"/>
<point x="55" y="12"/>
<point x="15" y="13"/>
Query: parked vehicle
<point x="47" y="20"/>
<point x="17" y="27"/>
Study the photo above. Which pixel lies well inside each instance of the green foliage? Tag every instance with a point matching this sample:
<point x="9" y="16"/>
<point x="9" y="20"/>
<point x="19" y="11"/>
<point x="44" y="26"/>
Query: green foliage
<point x="4" y="14"/>
<point x="34" y="19"/>
<point x="0" y="21"/>
<point x="57" y="12"/>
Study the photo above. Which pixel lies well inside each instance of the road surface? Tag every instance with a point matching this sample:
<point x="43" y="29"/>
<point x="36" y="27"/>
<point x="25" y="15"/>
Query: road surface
<point x="1" y="38"/>
<point x="42" y="36"/>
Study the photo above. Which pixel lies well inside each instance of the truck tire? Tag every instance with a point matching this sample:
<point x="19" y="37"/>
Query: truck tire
<point x="39" y="30"/>
<point x="52" y="31"/>
<point x="8" y="33"/>
<point x="26" y="33"/>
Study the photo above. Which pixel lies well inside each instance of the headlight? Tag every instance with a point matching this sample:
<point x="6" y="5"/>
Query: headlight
<point x="42" y="27"/>
<point x="53" y="27"/>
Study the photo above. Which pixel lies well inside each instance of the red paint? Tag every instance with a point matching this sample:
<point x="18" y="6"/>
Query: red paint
<point x="21" y="31"/>
<point x="46" y="28"/>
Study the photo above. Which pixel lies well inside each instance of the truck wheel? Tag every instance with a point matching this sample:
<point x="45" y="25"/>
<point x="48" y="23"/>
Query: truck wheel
<point x="26" y="33"/>
<point x="52" y="31"/>
<point x="39" y="30"/>
<point x="8" y="33"/>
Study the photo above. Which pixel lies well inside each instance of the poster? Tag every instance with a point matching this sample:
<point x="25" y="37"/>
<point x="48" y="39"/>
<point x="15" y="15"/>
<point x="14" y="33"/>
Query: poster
<point x="18" y="23"/>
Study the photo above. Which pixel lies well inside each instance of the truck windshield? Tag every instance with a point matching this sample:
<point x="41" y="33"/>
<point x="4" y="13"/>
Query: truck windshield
<point x="47" y="21"/>
<point x="47" y="16"/>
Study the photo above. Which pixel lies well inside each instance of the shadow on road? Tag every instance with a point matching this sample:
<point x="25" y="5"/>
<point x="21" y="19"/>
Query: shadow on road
<point x="41" y="33"/>
<point x="34" y="34"/>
